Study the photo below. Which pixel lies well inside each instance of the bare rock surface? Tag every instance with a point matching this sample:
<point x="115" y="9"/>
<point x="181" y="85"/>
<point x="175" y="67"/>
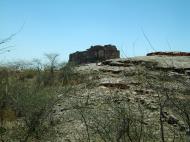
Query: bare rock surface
<point x="137" y="81"/>
<point x="176" y="62"/>
<point x="169" y="54"/>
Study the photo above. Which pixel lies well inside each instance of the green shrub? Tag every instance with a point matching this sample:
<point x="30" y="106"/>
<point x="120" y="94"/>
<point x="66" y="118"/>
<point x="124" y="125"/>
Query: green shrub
<point x="67" y="73"/>
<point x="35" y="106"/>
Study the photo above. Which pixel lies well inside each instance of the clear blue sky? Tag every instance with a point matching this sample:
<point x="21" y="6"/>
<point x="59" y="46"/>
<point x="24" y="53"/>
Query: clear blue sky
<point x="66" y="26"/>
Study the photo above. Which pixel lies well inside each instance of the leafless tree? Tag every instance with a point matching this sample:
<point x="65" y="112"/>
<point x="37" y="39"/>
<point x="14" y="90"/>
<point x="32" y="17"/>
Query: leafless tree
<point x="52" y="58"/>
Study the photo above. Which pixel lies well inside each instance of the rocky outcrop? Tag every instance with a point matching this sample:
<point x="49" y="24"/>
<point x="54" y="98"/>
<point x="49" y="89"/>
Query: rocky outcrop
<point x="95" y="54"/>
<point x="169" y="54"/>
<point x="178" y="64"/>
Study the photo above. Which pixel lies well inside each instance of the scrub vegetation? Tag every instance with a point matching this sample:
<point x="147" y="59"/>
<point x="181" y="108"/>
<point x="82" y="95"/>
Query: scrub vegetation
<point x="121" y="100"/>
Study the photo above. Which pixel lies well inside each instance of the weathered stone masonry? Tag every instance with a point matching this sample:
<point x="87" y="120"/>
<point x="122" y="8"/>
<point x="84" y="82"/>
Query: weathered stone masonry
<point x="94" y="54"/>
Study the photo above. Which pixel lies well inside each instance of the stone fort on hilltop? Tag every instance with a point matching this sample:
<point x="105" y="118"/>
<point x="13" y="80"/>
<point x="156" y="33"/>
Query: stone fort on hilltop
<point x="95" y="54"/>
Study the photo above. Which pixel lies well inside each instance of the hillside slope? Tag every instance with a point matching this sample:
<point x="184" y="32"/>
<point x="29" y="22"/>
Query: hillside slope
<point x="133" y="99"/>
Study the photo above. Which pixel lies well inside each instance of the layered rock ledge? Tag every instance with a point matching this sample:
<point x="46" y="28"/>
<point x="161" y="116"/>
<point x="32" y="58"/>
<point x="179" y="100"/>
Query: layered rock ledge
<point x="169" y="54"/>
